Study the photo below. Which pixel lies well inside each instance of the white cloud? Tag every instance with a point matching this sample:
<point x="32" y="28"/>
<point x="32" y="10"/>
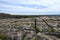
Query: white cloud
<point x="16" y="6"/>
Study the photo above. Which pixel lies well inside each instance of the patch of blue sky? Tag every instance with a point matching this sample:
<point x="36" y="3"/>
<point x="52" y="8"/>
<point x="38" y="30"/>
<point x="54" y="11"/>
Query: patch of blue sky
<point x="30" y="6"/>
<point x="25" y="5"/>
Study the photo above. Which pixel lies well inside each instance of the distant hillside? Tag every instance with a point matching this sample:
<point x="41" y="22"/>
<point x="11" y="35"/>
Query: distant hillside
<point x="6" y="15"/>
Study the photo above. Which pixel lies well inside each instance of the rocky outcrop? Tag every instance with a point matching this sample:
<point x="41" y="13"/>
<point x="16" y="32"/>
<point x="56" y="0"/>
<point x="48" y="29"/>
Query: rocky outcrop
<point x="49" y="28"/>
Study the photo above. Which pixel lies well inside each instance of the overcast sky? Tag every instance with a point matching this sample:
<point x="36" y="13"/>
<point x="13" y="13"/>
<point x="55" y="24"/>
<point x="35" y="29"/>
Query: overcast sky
<point x="30" y="7"/>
